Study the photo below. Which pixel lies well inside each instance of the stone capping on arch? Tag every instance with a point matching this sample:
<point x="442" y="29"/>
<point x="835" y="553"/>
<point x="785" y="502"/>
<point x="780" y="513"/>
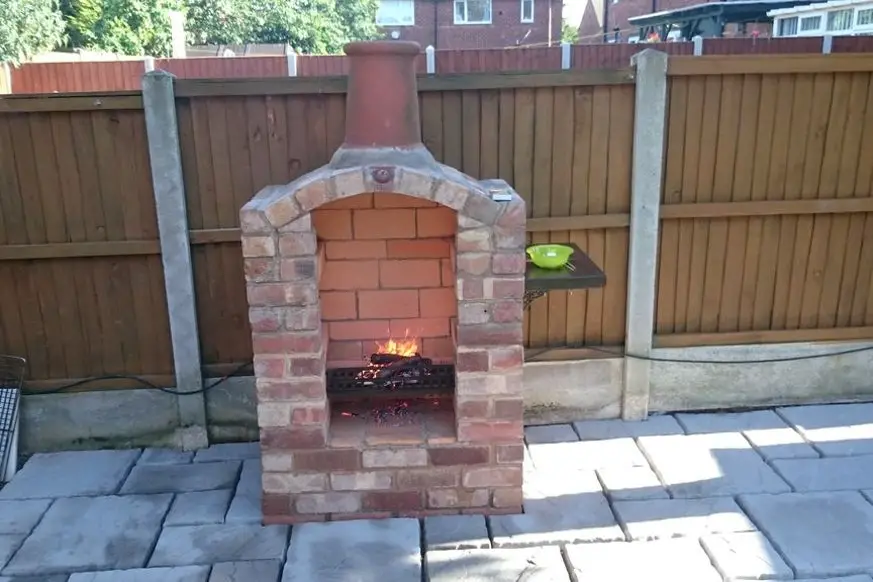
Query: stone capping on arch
<point x="410" y="172"/>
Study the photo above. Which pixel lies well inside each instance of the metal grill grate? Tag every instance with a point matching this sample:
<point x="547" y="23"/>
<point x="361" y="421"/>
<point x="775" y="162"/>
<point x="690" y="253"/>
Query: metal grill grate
<point x="11" y="377"/>
<point x="432" y="381"/>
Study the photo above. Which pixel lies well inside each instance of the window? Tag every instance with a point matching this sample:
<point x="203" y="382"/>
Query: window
<point x="472" y="11"/>
<point x="788" y="26"/>
<point x="396" y="13"/>
<point x="527" y="14"/>
<point x="810" y="23"/>
<point x="840" y="19"/>
<point x="865" y="17"/>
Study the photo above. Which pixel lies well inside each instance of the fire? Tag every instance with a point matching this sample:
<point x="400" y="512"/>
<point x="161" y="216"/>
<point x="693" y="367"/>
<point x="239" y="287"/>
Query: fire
<point x="405" y="347"/>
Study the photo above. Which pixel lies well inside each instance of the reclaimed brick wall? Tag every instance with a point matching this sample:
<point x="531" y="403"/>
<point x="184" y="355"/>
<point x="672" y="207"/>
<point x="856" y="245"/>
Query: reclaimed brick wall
<point x="387" y="273"/>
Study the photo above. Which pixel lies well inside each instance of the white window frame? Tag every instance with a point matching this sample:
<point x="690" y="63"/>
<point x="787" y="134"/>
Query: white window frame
<point x="783" y="23"/>
<point x="805" y="31"/>
<point x="858" y="14"/>
<point x="466" y="20"/>
<point x="834" y="13"/>
<point x="531" y="19"/>
<point x="411" y="3"/>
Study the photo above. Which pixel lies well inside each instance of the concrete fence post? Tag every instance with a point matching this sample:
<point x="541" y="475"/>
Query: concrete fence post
<point x="148" y="64"/>
<point x="565" y="55"/>
<point x="648" y="154"/>
<point x="165" y="156"/>
<point x="827" y="44"/>
<point x="5" y="79"/>
<point x="292" y="62"/>
<point x="430" y="59"/>
<point x="698" y="45"/>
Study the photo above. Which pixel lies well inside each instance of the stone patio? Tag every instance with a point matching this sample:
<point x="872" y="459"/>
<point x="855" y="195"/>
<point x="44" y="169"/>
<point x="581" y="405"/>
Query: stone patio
<point x="783" y="494"/>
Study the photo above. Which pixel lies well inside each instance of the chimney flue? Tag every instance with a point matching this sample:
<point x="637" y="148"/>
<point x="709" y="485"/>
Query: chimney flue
<point x="382" y="99"/>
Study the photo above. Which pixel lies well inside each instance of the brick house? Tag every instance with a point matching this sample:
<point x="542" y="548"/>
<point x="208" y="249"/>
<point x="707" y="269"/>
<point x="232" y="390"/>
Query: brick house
<point x="616" y="13"/>
<point x="472" y="24"/>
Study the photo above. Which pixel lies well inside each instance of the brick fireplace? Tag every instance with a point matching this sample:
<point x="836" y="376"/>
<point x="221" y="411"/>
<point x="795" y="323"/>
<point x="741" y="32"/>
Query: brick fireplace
<point x="385" y="293"/>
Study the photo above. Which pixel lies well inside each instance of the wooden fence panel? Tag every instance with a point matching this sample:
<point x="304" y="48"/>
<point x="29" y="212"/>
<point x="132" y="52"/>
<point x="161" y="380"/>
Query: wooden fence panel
<point x="618" y="55"/>
<point x="72" y="77"/>
<point x="225" y="68"/>
<point x="490" y="60"/>
<point x="767" y="229"/>
<point x="81" y="285"/>
<point x="750" y="46"/>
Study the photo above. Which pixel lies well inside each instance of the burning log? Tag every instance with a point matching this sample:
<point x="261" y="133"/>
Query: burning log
<point x="399" y="366"/>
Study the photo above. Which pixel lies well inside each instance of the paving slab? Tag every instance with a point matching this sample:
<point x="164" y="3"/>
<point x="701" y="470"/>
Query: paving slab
<point x="254" y="571"/>
<point x="827" y="474"/>
<point x="631" y="483"/>
<point x="714" y="422"/>
<point x="710" y="465"/>
<point x="153" y="456"/>
<point x="746" y="556"/>
<point x="9" y="544"/>
<point x="199" y="508"/>
<point x="550" y="433"/>
<point x="50" y="578"/>
<point x="383" y="550"/>
<point x="819" y="534"/>
<point x="246" y="504"/>
<point x="73" y="473"/>
<point x="591" y="430"/>
<point x="528" y="565"/>
<point x="559" y="507"/>
<point x="20" y="516"/>
<point x="83" y="534"/>
<point x="208" y="544"/>
<point x="680" y="560"/>
<point x="834" y="429"/>
<point x="671" y="518"/>
<point x="781" y="443"/>
<point x="183" y="574"/>
<point x="456" y="532"/>
<point x="182" y="478"/>
<point x="856" y="578"/>
<point x="587" y="455"/>
<point x="229" y="452"/>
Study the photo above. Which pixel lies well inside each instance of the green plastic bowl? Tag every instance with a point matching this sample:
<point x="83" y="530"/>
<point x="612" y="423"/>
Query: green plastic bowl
<point x="549" y="256"/>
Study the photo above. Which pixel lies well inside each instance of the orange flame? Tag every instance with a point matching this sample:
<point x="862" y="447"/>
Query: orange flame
<point x="404" y="347"/>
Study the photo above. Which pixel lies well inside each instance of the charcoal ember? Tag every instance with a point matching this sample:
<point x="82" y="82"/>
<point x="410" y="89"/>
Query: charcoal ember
<point x="384" y="359"/>
<point x="404" y="367"/>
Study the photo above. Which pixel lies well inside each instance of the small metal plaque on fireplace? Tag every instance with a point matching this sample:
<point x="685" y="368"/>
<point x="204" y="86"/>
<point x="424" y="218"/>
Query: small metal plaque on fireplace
<point x="392" y="377"/>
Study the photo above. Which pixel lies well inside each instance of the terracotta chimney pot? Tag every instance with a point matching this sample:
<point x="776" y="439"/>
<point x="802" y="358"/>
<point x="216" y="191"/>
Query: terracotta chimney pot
<point x="382" y="100"/>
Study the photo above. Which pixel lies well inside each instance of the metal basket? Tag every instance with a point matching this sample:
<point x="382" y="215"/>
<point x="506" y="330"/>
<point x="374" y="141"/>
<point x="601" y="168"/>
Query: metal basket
<point x="12" y="369"/>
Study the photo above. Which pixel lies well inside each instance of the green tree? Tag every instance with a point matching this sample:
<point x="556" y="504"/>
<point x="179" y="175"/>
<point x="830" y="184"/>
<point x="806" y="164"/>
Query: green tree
<point x="569" y="33"/>
<point x="28" y="27"/>
<point x="131" y="27"/>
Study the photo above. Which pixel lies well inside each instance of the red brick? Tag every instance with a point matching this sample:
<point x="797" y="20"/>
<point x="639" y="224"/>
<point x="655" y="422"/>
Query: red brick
<point x="351" y="202"/>
<point x="359" y="515"/>
<point x="358" y="330"/>
<point x="470" y="312"/>
<point x="401" y="457"/>
<point x="296" y="389"/>
<point x="385" y="304"/>
<point x="509" y="238"/>
<point x="509" y="453"/>
<point x="514" y="214"/>
<point x="299" y="269"/>
<point x="293" y="438"/>
<point x="273" y="504"/>
<point x="423" y="478"/>
<point x="332" y="224"/>
<point x="496" y="334"/>
<point x="301" y="293"/>
<point x="447" y="272"/>
<point x="253" y="222"/>
<point x="287" y="343"/>
<point x="338" y="305"/>
<point x="507" y="311"/>
<point x="306" y="366"/>
<point x="457" y="498"/>
<point x="420" y="328"/>
<point x="507" y="288"/>
<point x="384" y="224"/>
<point x="472" y="409"/>
<point x="392" y="501"/>
<point x="507" y="497"/>
<point x="423" y="248"/>
<point x="269" y="366"/>
<point x="474" y="263"/>
<point x="265" y="319"/>
<point x="409" y="273"/>
<point x="493" y="477"/>
<point x="292" y="518"/>
<point x="474" y="240"/>
<point x="330" y="502"/>
<point x="471" y="360"/>
<point x="356" y="249"/>
<point x="267" y="294"/>
<point x="442" y="456"/>
<point x="438" y="348"/>
<point x="260" y="270"/>
<point x="438" y="302"/>
<point x="349" y="275"/>
<point x="391" y="200"/>
<point x="361" y="481"/>
<point x="302" y="318"/>
<point x="315" y="414"/>
<point x="436" y="222"/>
<point x="487" y="432"/>
<point x="297" y="244"/>
<point x="326" y="461"/>
<point x="258" y="246"/>
<point x="471" y="288"/>
<point x="504" y="358"/>
<point x="508" y="263"/>
<point x="344" y="351"/>
<point x="509" y="409"/>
